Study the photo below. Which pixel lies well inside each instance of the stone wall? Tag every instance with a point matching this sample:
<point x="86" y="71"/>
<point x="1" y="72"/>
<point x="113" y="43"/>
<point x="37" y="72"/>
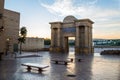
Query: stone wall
<point x="10" y="22"/>
<point x="1" y="26"/>
<point x="33" y="44"/>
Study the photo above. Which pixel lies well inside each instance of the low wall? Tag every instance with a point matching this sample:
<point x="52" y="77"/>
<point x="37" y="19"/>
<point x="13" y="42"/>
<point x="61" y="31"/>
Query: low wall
<point x="33" y="44"/>
<point x="110" y="52"/>
<point x="106" y="46"/>
<point x="36" y="50"/>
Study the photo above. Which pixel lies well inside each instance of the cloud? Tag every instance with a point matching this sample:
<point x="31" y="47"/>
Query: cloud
<point x="61" y="7"/>
<point x="107" y="17"/>
<point x="85" y="9"/>
<point x="105" y="13"/>
<point x="66" y="7"/>
<point x="108" y="24"/>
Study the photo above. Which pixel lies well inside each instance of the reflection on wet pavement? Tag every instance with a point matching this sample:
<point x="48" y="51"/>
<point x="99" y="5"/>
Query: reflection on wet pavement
<point x="90" y="68"/>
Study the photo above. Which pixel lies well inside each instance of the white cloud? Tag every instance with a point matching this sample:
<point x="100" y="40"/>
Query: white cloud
<point x="66" y="7"/>
<point x="61" y="7"/>
<point x="85" y="10"/>
<point x="93" y="2"/>
<point x="108" y="24"/>
<point x="103" y="13"/>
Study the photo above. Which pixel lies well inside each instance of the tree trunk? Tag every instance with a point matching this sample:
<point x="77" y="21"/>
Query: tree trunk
<point x="20" y="47"/>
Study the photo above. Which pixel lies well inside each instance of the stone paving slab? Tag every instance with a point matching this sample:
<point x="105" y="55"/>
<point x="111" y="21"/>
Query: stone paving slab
<point x="92" y="68"/>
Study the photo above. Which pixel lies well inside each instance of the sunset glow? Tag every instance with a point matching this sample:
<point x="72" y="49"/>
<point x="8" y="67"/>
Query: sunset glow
<point x="36" y="15"/>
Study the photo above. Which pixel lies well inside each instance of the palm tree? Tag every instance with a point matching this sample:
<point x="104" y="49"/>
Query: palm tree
<point x="22" y="37"/>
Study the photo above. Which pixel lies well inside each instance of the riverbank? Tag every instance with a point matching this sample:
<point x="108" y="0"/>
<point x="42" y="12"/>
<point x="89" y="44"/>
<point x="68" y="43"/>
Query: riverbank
<point x="106" y="46"/>
<point x="110" y="52"/>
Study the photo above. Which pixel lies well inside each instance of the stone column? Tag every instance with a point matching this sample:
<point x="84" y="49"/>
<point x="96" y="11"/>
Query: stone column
<point x="65" y="44"/>
<point x="77" y="37"/>
<point x="82" y="42"/>
<point x="91" y="44"/>
<point x="52" y="37"/>
<point x="55" y="37"/>
<point x="59" y="39"/>
<point x="59" y="46"/>
<point x="52" y="40"/>
<point x="88" y="42"/>
<point x="77" y="40"/>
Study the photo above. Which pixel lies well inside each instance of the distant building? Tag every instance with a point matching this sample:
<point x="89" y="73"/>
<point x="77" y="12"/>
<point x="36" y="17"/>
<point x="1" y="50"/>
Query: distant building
<point x="33" y="44"/>
<point x="9" y="24"/>
<point x="106" y="42"/>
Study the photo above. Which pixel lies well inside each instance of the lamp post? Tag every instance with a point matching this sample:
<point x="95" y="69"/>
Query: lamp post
<point x="1" y="29"/>
<point x="7" y="45"/>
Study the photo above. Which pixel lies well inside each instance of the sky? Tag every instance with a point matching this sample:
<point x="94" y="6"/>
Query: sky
<point x="36" y="15"/>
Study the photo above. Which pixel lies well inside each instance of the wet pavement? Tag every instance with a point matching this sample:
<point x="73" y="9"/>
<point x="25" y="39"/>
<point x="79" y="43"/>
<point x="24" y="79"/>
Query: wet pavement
<point x="95" y="67"/>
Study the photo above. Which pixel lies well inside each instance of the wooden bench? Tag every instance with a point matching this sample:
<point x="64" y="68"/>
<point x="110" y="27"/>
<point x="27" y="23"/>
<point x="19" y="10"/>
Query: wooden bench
<point x="65" y="62"/>
<point x="34" y="65"/>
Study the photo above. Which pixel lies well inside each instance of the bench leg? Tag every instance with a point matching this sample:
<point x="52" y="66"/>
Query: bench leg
<point x="28" y="68"/>
<point x="71" y="59"/>
<point x="40" y="70"/>
<point x="65" y="63"/>
<point x="56" y="62"/>
<point x="79" y="60"/>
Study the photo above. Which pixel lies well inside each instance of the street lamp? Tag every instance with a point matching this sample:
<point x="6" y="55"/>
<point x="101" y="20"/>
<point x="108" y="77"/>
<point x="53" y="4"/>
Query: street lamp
<point x="7" y="45"/>
<point x="1" y="28"/>
<point x="7" y="39"/>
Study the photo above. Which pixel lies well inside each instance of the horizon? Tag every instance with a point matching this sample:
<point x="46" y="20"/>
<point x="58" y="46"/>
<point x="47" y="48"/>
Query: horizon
<point x="35" y="15"/>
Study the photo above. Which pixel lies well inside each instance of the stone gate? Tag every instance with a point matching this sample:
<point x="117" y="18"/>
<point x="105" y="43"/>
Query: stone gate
<point x="81" y="29"/>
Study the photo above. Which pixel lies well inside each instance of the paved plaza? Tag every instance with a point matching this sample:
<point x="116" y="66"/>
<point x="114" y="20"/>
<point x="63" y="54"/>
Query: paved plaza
<point x="90" y="68"/>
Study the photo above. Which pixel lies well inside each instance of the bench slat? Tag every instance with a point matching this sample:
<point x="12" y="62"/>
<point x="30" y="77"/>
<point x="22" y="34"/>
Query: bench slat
<point x="35" y="65"/>
<point x="61" y="61"/>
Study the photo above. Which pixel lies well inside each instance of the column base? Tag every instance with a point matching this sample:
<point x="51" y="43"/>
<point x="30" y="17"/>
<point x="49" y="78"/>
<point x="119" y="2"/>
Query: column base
<point x="56" y="49"/>
<point x="83" y="50"/>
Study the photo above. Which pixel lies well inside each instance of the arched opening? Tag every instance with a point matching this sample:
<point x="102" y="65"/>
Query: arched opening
<point x="71" y="43"/>
<point x="72" y="35"/>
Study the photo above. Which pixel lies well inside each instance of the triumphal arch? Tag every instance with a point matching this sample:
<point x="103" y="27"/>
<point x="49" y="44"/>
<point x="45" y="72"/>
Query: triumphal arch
<point x="81" y="29"/>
